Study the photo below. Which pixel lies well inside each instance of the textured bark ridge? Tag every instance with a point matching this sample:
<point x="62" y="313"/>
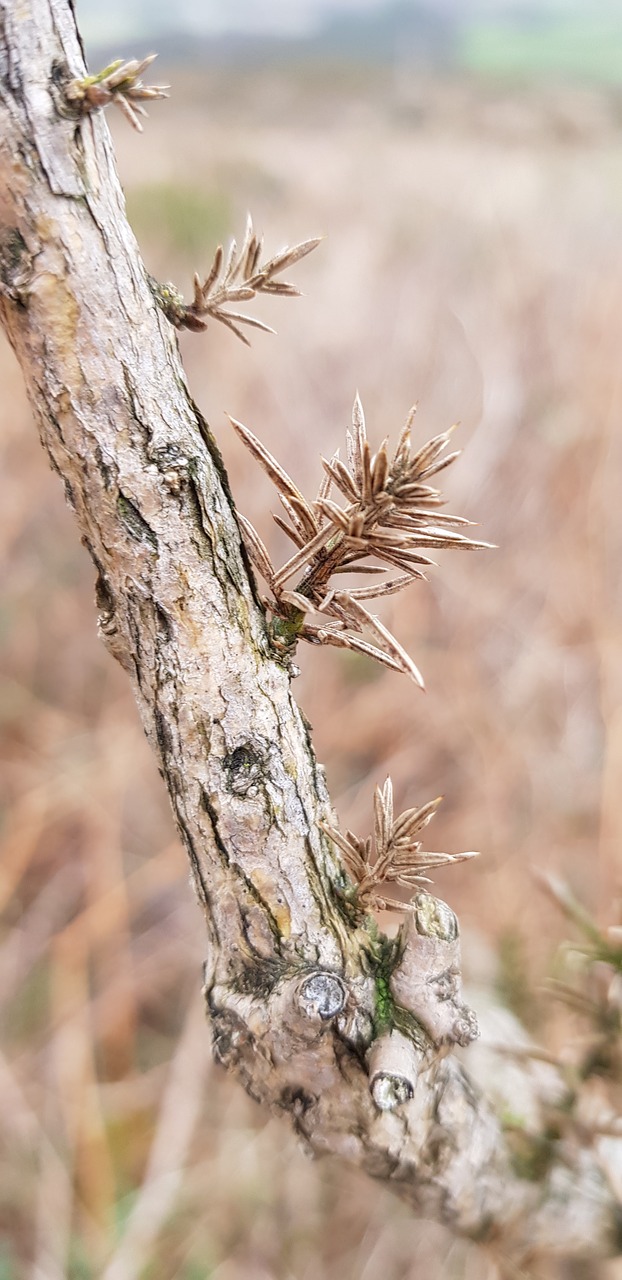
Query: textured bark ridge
<point x="309" y="1004"/>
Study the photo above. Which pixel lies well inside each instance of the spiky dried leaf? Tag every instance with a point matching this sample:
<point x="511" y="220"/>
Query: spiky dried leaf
<point x="292" y="515"/>
<point x="413" y="820"/>
<point x="292" y="533"/>
<point x="386" y="588"/>
<point x="383" y="815"/>
<point x="296" y="599"/>
<point x="359" y="437"/>
<point x="340" y="641"/>
<point x="256" y="549"/>
<point x="380" y="471"/>
<point x="338" y="472"/>
<point x="305" y="515"/>
<point x="361" y="616"/>
<point x="278" y="476"/>
<point x="302" y="557"/>
<point x="346" y="567"/>
<point x="333" y="513"/>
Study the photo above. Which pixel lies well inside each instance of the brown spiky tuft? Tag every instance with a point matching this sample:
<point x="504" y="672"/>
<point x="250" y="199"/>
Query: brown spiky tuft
<point x="393" y="854"/>
<point x="119" y="83"/>
<point x="237" y="278"/>
<point x="389" y="513"/>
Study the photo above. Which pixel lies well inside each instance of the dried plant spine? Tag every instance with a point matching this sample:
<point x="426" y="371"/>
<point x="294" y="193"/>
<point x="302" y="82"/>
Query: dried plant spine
<point x="389" y="513"/>
<point x="237" y="278"/>
<point x="119" y="83"/>
<point x="393" y="855"/>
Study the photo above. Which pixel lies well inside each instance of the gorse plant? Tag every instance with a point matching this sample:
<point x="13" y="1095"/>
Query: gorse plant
<point x="391" y="513"/>
<point x="312" y="1007"/>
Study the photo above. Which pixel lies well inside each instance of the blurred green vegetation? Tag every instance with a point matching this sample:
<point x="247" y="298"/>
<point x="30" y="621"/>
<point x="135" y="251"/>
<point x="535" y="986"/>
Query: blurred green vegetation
<point x="8" y="1267"/>
<point x="514" y="987"/>
<point x="576" y="46"/>
<point x="185" y="220"/>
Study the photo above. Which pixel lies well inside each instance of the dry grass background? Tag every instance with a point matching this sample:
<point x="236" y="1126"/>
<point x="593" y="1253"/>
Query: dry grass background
<point x="473" y="261"/>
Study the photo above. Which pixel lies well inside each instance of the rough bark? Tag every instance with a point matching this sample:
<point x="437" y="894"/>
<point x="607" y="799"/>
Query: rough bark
<point x="303" y="1006"/>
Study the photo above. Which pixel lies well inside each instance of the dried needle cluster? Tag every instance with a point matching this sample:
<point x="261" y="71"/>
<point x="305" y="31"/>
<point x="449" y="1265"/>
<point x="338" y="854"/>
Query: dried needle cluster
<point x="394" y="854"/>
<point x="237" y="279"/>
<point x="121" y="84"/>
<point x="390" y="513"/>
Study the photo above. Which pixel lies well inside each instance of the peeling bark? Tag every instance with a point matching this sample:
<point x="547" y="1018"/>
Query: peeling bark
<point x="306" y="999"/>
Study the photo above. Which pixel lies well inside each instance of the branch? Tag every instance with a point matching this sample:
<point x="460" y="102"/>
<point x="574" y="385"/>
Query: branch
<point x="307" y="1000"/>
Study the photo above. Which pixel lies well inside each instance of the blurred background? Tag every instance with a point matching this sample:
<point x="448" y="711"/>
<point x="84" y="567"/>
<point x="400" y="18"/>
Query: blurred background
<point x="464" y="162"/>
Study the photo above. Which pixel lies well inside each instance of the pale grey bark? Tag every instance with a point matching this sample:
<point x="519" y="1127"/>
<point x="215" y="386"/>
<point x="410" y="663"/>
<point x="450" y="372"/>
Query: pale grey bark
<point x="303" y="1005"/>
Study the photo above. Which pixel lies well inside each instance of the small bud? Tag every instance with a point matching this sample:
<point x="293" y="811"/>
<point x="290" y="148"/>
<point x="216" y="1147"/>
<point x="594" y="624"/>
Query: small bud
<point x="465" y="1028"/>
<point x="434" y="919"/>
